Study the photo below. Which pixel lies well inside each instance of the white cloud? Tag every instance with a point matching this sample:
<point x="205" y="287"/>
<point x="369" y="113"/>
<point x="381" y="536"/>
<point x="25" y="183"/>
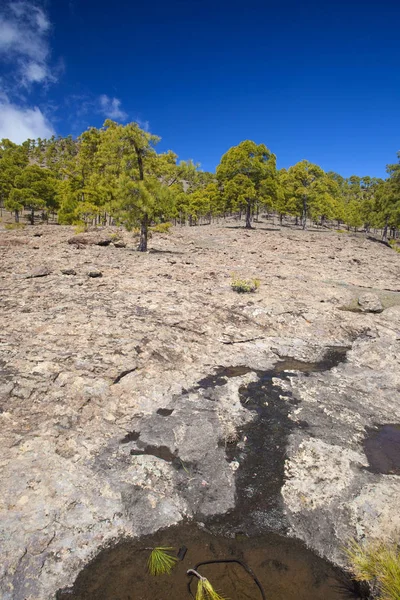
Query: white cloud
<point x="18" y="123"/>
<point x="25" y="9"/>
<point x="36" y="73"/>
<point x="111" y="108"/>
<point x="24" y="29"/>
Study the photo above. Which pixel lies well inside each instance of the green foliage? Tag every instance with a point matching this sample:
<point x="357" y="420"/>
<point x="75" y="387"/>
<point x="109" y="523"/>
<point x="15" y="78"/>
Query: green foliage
<point x="379" y="564"/>
<point x="13" y="226"/>
<point x="307" y="187"/>
<point x="395" y="244"/>
<point x="115" y="172"/>
<point x="80" y="227"/>
<point x="162" y="227"/>
<point x="243" y="286"/>
<point x="15" y="200"/>
<point x="161" y="561"/>
<point x="248" y="174"/>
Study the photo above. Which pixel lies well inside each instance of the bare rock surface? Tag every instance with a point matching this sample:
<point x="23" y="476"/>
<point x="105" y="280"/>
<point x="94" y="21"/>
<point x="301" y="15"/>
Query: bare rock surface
<point x="116" y="421"/>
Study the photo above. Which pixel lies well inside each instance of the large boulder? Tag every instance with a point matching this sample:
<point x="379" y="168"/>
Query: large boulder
<point x="91" y="239"/>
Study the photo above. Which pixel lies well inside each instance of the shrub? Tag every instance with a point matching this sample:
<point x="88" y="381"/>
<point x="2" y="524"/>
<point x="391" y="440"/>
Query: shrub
<point x="80" y="227"/>
<point x="12" y="226"/>
<point x="395" y="245"/>
<point x="379" y="564"/>
<point x="243" y="286"/>
<point x="161" y="227"/>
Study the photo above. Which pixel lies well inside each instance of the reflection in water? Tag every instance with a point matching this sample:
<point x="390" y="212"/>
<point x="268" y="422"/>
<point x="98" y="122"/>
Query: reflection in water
<point x="286" y="569"/>
<point x="382" y="447"/>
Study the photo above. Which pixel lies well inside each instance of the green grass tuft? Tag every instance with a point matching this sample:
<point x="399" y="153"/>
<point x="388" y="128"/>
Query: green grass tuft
<point x="395" y="245"/>
<point x="378" y="564"/>
<point x="244" y="286"/>
<point x="12" y="226"/>
<point x="161" y="562"/>
<point x="161" y="227"/>
<point x="80" y="227"/>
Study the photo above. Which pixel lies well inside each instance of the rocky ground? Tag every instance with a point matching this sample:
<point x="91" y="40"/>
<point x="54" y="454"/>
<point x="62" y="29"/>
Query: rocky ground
<point x="107" y="432"/>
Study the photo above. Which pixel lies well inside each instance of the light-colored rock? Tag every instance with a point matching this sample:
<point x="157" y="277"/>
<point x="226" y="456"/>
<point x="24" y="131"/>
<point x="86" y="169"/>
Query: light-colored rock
<point x="39" y="272"/>
<point x="370" y="303"/>
<point x="91" y="239"/>
<point x="85" y="365"/>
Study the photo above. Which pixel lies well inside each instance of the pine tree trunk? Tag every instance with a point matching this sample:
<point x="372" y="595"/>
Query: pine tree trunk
<point x="32" y="217"/>
<point x="144" y="230"/>
<point x="384" y="233"/>
<point x="248" y="215"/>
<point x="16" y="212"/>
<point x="304" y="213"/>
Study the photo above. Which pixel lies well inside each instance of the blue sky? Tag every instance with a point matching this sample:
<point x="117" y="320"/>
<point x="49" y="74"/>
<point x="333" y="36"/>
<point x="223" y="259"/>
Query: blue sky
<point x="311" y="79"/>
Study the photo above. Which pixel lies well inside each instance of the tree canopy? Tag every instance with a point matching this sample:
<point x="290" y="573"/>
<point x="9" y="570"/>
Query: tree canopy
<point x="114" y="174"/>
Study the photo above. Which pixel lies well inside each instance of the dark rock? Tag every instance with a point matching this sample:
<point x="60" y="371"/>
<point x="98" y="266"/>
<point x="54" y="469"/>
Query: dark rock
<point x="95" y="273"/>
<point x="68" y="271"/>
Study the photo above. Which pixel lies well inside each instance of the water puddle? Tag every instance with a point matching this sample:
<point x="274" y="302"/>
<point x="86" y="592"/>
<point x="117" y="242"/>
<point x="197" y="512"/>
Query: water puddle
<point x="221" y="376"/>
<point x="382" y="448"/>
<point x="285" y="568"/>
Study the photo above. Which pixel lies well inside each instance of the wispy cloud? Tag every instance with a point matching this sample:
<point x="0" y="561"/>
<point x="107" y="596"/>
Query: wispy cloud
<point x="143" y="124"/>
<point x="20" y="123"/>
<point x="24" y="41"/>
<point x="111" y="108"/>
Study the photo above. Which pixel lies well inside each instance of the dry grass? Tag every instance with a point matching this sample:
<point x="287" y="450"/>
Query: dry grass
<point x="378" y="564"/>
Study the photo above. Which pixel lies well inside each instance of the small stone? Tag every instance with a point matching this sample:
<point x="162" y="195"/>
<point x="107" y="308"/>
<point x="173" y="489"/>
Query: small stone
<point x="370" y="303"/>
<point x="120" y="244"/>
<point x="68" y="271"/>
<point x="95" y="273"/>
<point x="39" y="272"/>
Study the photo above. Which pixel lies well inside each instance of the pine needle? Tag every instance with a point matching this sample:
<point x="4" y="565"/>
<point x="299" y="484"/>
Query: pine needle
<point x="205" y="591"/>
<point x="161" y="562"/>
<point x="378" y="563"/>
